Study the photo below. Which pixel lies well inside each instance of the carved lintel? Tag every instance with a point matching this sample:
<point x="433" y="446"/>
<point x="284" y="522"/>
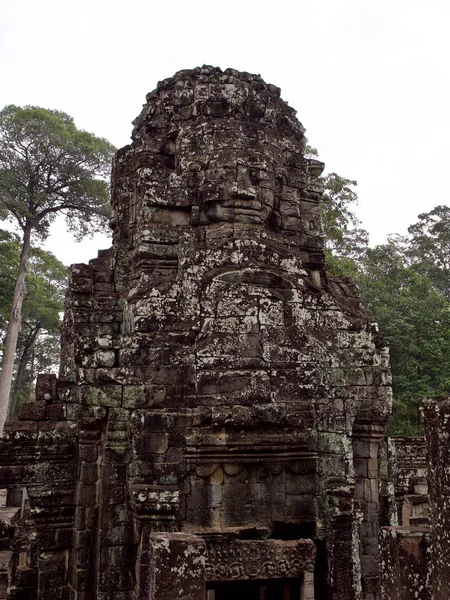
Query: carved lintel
<point x="258" y="559"/>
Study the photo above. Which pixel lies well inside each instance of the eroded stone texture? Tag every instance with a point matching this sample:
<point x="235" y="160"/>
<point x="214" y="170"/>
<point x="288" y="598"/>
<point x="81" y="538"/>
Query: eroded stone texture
<point x="215" y="381"/>
<point x="414" y="555"/>
<point x="408" y="473"/>
<point x="404" y="561"/>
<point x="173" y="565"/>
<point x="8" y="517"/>
<point x="437" y="432"/>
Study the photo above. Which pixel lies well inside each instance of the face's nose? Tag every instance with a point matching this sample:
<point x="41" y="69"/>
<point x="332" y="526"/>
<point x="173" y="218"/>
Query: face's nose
<point x="243" y="192"/>
<point x="244" y="188"/>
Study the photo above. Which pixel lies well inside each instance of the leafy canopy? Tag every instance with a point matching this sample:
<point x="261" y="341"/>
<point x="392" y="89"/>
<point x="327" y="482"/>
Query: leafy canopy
<point x="428" y="247"/>
<point x="9" y="264"/>
<point x="406" y="284"/>
<point x="48" y="166"/>
<point x="38" y="342"/>
<point x="46" y="280"/>
<point x="345" y="240"/>
<point x="415" y="320"/>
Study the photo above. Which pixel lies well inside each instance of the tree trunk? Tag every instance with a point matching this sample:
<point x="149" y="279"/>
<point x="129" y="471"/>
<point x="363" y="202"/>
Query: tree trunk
<point x="31" y="392"/>
<point x="29" y="344"/>
<point x="12" y="333"/>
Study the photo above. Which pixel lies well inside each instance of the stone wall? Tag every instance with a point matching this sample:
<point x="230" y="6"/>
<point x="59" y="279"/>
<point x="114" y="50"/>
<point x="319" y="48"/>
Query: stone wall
<point x="437" y="430"/>
<point x="414" y="554"/>
<point x="404" y="564"/>
<point x="408" y="473"/>
<point x="216" y="384"/>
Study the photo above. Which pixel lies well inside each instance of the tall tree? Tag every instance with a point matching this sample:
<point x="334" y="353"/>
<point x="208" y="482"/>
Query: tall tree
<point x="38" y="344"/>
<point x="428" y="247"/>
<point x="47" y="167"/>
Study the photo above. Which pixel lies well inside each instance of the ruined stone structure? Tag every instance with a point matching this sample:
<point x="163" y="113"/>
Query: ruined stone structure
<point x="437" y="432"/>
<point x="415" y="553"/>
<point x="405" y="563"/>
<point x="404" y="560"/>
<point x="215" y="426"/>
<point x="408" y="475"/>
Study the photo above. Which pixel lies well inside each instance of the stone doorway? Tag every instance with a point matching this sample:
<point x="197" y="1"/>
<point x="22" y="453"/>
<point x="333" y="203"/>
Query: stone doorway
<point x="265" y="589"/>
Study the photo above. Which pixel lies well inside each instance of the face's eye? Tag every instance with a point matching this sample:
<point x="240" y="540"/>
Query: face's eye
<point x="255" y="176"/>
<point x="259" y="177"/>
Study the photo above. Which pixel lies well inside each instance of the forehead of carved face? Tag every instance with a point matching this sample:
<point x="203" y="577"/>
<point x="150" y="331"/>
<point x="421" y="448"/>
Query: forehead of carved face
<point x="235" y="172"/>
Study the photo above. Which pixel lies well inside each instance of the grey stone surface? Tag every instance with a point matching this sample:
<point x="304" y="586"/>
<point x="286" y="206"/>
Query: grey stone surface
<point x="215" y="380"/>
<point x="437" y="430"/>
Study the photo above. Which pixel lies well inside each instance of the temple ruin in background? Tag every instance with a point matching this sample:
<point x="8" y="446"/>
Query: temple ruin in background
<point x="216" y="422"/>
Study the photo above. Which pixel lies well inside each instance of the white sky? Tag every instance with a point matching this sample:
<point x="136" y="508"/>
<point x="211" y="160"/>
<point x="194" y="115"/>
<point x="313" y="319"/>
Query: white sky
<point x="369" y="79"/>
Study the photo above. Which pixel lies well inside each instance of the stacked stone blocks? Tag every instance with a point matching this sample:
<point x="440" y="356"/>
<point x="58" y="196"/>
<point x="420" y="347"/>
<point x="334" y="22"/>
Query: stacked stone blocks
<point x="217" y="386"/>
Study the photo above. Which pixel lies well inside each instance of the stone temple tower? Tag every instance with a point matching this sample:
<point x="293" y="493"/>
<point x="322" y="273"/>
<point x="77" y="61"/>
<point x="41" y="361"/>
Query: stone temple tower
<point x="214" y="429"/>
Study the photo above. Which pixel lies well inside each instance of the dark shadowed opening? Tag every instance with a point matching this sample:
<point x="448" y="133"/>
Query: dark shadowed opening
<point x="293" y="531"/>
<point x="263" y="589"/>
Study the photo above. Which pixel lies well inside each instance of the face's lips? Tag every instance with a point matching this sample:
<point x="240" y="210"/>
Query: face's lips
<point x="239" y="214"/>
<point x="248" y="212"/>
<point x="241" y="204"/>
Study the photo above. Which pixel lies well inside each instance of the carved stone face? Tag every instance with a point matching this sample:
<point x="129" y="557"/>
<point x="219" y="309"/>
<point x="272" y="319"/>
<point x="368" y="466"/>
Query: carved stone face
<point x="235" y="175"/>
<point x="225" y="151"/>
<point x="243" y="193"/>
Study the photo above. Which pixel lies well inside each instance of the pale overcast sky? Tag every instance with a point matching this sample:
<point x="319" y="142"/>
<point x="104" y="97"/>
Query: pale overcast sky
<point x="369" y="79"/>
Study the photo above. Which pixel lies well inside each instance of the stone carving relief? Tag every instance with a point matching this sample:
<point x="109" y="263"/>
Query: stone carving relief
<point x="259" y="559"/>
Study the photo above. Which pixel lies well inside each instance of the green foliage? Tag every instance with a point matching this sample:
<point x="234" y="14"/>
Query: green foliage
<point x="46" y="280"/>
<point x="9" y="263"/>
<point x="48" y="166"/>
<point x="344" y="236"/>
<point x="406" y="284"/>
<point x="428" y="247"/>
<point x="341" y="266"/>
<point x="415" y="320"/>
<point x="345" y="240"/>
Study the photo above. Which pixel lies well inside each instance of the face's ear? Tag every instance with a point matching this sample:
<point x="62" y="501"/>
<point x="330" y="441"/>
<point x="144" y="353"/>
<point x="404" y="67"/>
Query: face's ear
<point x="195" y="215"/>
<point x="168" y="150"/>
<point x="314" y="167"/>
